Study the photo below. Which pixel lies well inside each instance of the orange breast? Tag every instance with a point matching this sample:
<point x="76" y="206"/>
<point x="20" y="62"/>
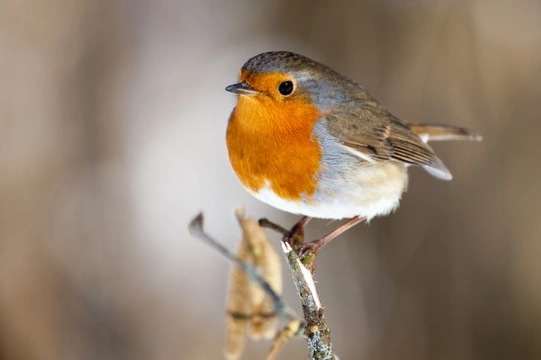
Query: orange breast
<point x="274" y="145"/>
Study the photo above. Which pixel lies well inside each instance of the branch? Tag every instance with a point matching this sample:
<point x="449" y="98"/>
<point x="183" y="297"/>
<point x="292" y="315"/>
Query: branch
<point x="316" y="330"/>
<point x="196" y="229"/>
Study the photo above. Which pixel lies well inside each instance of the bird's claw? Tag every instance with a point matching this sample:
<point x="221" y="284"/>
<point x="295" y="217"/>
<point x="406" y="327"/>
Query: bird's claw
<point x="308" y="249"/>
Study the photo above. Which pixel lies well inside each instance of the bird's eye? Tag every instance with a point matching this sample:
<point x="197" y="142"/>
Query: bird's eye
<point x="286" y="87"/>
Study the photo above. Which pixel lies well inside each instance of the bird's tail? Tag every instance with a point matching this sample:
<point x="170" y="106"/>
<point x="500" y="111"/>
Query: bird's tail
<point x="432" y="132"/>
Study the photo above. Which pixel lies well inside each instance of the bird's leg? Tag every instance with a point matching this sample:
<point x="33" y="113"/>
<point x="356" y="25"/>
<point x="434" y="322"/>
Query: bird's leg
<point x="295" y="236"/>
<point x="316" y="245"/>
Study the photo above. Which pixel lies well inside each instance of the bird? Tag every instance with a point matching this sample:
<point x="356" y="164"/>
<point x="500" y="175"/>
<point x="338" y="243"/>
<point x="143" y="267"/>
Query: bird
<point x="307" y="140"/>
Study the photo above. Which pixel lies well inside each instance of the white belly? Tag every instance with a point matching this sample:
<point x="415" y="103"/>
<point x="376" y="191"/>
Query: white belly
<point x="371" y="191"/>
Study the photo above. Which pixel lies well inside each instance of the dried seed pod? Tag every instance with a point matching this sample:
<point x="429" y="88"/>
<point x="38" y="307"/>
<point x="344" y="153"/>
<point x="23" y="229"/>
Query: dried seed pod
<point x="239" y="307"/>
<point x="247" y="301"/>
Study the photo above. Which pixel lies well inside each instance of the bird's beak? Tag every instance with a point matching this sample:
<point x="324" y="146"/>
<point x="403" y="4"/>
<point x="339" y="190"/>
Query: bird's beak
<point x="241" y="88"/>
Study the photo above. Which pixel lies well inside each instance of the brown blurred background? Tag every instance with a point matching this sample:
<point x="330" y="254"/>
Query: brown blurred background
<point x="112" y="122"/>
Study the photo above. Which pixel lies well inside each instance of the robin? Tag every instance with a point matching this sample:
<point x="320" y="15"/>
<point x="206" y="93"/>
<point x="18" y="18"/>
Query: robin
<point x="307" y="140"/>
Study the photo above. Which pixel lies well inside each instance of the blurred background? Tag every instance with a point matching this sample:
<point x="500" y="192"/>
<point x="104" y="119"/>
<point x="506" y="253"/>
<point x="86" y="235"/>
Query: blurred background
<point x="112" y="123"/>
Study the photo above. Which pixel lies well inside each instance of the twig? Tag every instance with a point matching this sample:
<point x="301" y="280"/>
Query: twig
<point x="196" y="229"/>
<point x="266" y="223"/>
<point x="292" y="329"/>
<point x="317" y="332"/>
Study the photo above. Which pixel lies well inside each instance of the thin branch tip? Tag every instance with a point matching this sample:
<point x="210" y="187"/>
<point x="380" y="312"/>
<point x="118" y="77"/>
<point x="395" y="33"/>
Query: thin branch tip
<point x="266" y="223"/>
<point x="196" y="225"/>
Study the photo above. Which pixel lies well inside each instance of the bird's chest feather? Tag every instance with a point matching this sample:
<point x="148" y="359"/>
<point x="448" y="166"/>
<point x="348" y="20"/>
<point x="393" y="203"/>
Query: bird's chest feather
<point x="274" y="151"/>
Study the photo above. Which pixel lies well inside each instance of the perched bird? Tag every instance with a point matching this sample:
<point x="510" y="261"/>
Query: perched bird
<point x="307" y="140"/>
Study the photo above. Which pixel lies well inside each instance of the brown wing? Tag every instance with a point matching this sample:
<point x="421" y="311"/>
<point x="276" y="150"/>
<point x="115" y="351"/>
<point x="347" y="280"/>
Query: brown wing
<point x="376" y="134"/>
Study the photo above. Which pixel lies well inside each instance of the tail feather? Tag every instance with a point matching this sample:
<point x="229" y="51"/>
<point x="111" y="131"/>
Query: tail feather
<point x="432" y="132"/>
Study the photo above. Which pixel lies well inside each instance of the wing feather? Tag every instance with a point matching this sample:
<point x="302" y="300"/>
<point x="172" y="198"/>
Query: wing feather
<point x="374" y="133"/>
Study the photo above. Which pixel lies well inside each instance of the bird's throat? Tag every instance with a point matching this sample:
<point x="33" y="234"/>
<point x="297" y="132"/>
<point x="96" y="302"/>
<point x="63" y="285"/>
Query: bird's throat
<point x="275" y="149"/>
